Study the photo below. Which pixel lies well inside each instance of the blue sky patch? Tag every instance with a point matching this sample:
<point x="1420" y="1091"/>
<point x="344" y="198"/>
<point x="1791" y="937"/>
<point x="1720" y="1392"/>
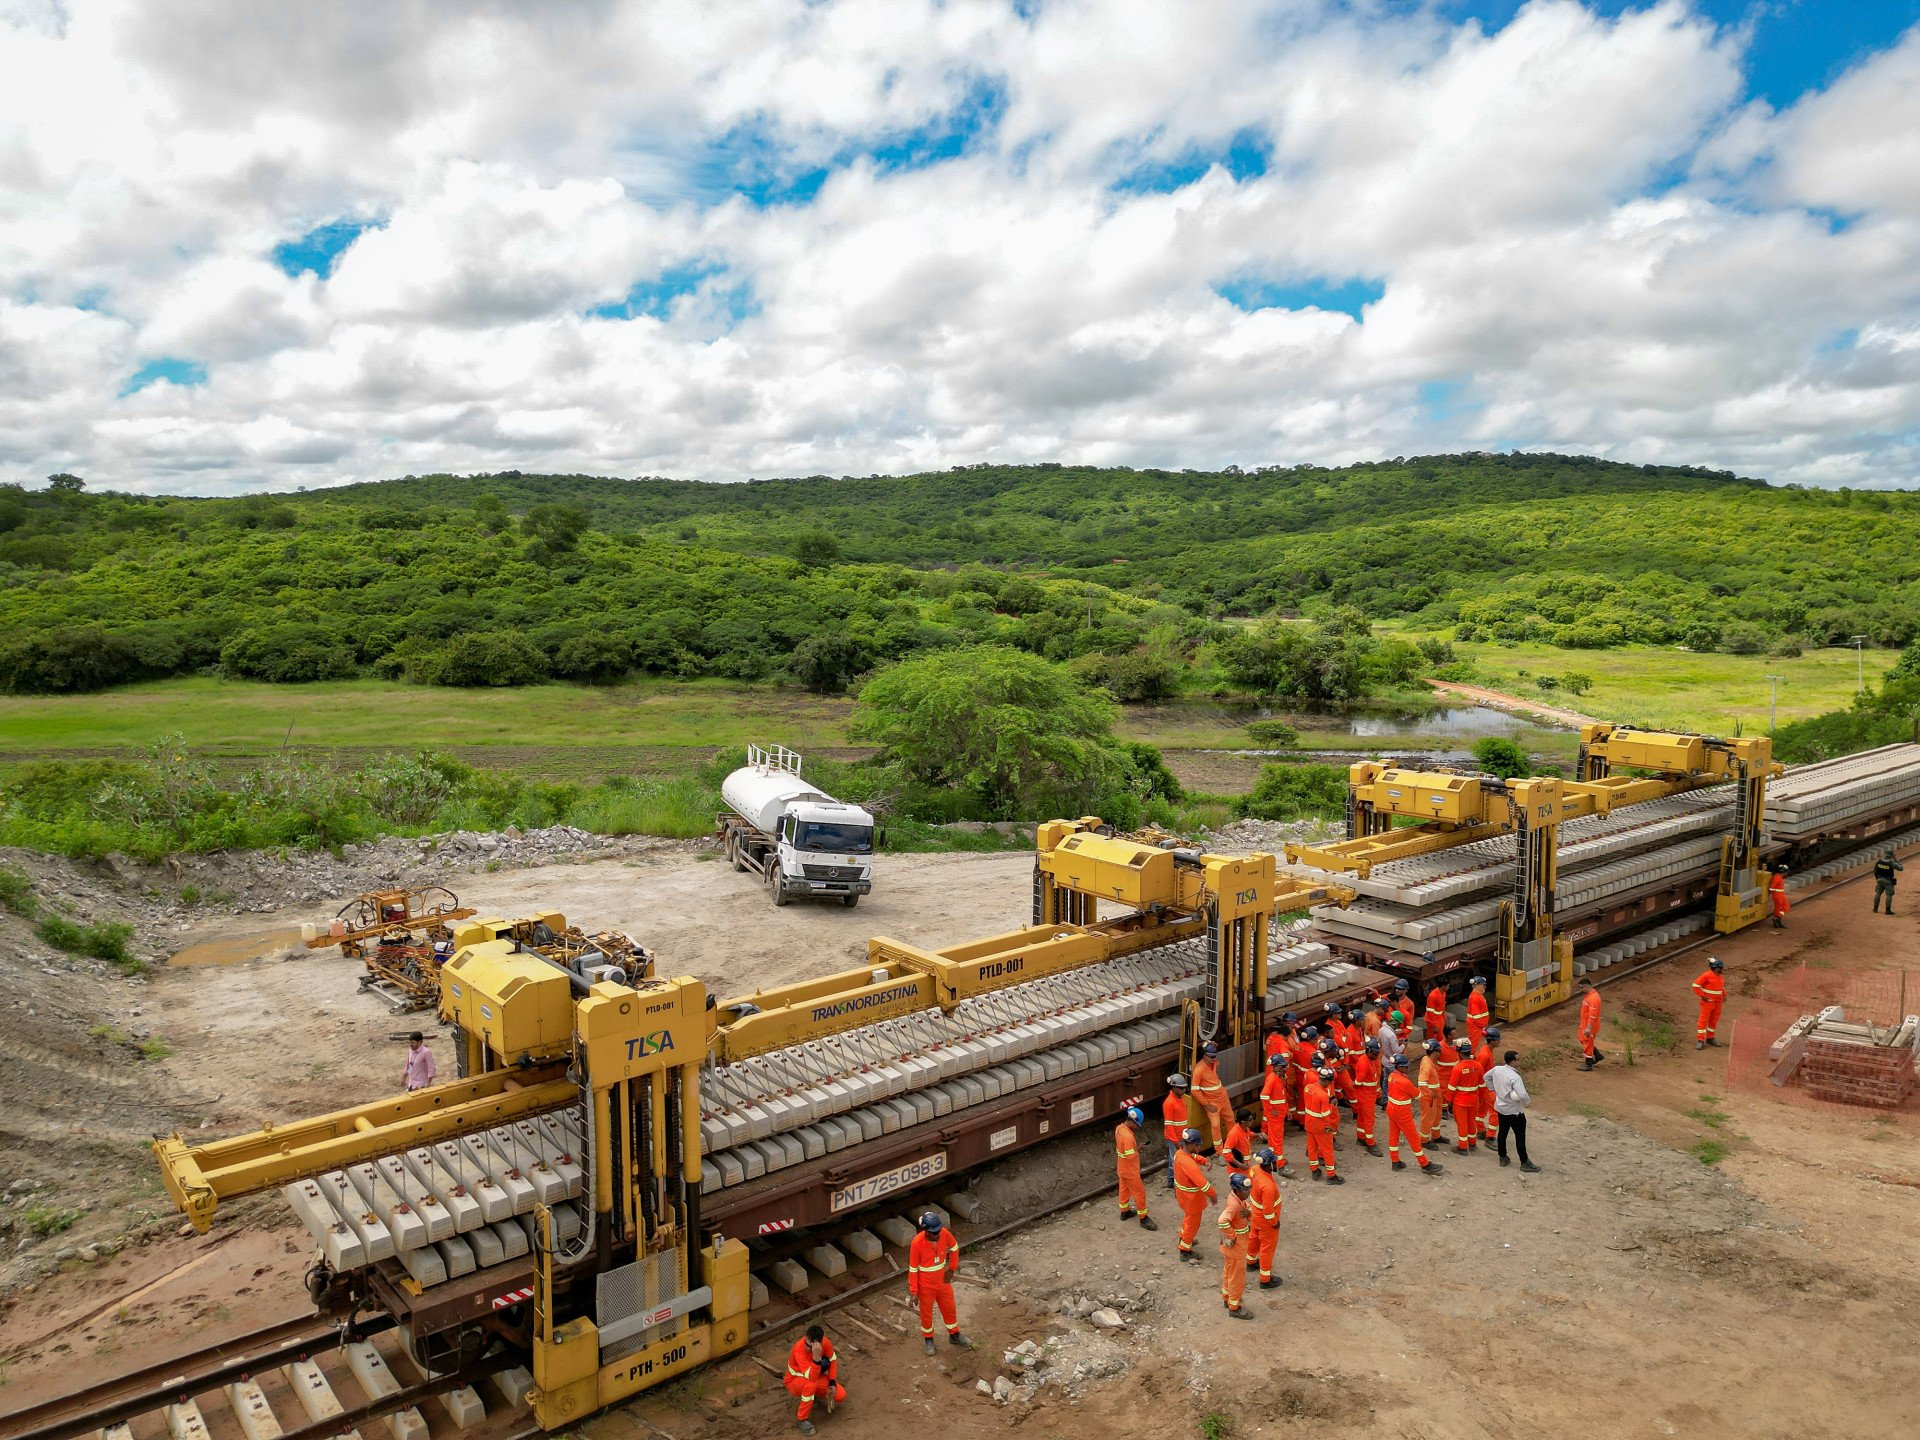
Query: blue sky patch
<point x="169" y="369"/>
<point x="320" y="249"/>
<point x="1797" y="45"/>
<point x="697" y="284"/>
<point x="1349" y="296"/>
<point x="1244" y="156"/>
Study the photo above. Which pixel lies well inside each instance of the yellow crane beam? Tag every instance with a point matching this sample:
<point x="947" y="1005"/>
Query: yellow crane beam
<point x="199" y="1177"/>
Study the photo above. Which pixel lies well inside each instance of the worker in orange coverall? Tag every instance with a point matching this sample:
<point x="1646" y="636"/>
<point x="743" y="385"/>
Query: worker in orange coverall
<point x="1366" y="1094"/>
<point x="932" y="1261"/>
<point x="1432" y="1091"/>
<point x="1273" y="1104"/>
<point x="1191" y="1188"/>
<point x="1239" y="1147"/>
<point x="1711" y="987"/>
<point x="1483" y="1056"/>
<point x="1126" y="1163"/>
<point x="1401" y="1094"/>
<point x="813" y="1373"/>
<point x="1264" y="1197"/>
<point x="1463" y="1087"/>
<point x="1301" y="1072"/>
<point x="1236" y="1225"/>
<point x="1436" y="1011"/>
<point x="1479" y="1014"/>
<point x="1777" y="898"/>
<point x="1590" y="1025"/>
<point x="1173" y="1119"/>
<point x="1211" y="1094"/>
<point x="1317" y="1115"/>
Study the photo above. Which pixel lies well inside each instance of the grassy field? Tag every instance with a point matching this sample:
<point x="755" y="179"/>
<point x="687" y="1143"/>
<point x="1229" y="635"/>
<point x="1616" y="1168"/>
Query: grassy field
<point x="1713" y="694"/>
<point x="639" y="725"/>
<point x="237" y="717"/>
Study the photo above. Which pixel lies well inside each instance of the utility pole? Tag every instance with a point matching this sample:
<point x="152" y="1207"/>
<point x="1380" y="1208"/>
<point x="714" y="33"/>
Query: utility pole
<point x="1773" y="702"/>
<point x="1859" y="665"/>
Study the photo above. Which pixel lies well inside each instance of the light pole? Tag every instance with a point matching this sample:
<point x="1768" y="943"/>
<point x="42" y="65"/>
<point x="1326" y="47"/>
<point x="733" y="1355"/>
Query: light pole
<point x="1859" y="665"/>
<point x="1773" y="702"/>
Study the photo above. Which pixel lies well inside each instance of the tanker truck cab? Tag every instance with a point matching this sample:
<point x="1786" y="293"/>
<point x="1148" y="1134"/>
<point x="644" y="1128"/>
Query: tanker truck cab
<point x="800" y="841"/>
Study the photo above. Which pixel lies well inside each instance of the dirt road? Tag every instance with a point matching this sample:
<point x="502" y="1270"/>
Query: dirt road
<point x="1513" y="703"/>
<point x="1628" y="1291"/>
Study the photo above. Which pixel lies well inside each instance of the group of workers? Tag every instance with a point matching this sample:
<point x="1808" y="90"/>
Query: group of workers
<point x="933" y="1259"/>
<point x="1353" y="1058"/>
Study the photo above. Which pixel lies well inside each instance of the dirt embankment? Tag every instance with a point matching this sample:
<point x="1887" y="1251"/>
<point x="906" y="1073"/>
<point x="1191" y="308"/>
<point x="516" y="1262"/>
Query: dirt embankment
<point x="1630" y="1290"/>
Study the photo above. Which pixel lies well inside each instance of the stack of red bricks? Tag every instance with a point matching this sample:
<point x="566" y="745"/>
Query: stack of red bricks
<point x="1860" y="1069"/>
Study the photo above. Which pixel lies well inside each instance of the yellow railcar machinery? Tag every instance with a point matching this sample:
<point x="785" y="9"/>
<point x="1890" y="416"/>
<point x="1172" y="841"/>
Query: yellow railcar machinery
<point x="1397" y="814"/>
<point x="579" y="1072"/>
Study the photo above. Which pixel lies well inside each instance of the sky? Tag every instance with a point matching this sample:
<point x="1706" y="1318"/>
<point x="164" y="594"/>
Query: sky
<point x="262" y="247"/>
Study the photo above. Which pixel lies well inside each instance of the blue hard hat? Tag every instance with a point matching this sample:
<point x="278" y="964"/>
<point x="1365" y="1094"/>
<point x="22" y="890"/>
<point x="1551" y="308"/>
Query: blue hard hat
<point x="1209" y="1049"/>
<point x="1134" y="1115"/>
<point x="1241" y="1184"/>
<point x="931" y="1223"/>
<point x="1309" y="1032"/>
<point x="1493" y="1032"/>
<point x="1278" y="1058"/>
<point x="1267" y="1160"/>
<point x="1373" y="1047"/>
<point x="1191" y="1136"/>
<point x="1399" y="1062"/>
<point x="1716" y="963"/>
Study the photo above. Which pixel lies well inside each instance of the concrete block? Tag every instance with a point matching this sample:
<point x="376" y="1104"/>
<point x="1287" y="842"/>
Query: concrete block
<point x="514" y="1384"/>
<point x="376" y="1379"/>
<point x="314" y="1394"/>
<point x="123" y="1431"/>
<point x="185" y="1422"/>
<point x="789" y="1275"/>
<point x="425" y="1265"/>
<point x="249" y="1405"/>
<point x="513" y="1240"/>
<point x="828" y="1260"/>
<point x="964" y="1204"/>
<point x="897" y="1231"/>
<point x="864" y="1245"/>
<point x="458" y="1255"/>
<point x="757" y="1295"/>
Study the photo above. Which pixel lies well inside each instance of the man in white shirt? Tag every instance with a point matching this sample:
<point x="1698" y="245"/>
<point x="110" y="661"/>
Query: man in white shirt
<point x="1510" y="1101"/>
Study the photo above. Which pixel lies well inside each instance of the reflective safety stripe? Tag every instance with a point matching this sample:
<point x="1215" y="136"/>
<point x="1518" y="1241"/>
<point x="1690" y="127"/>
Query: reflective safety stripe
<point x="1207" y="1089"/>
<point x="1190" y="1189"/>
<point x="1406" y="1104"/>
<point x="806" y="1374"/>
<point x="928" y="1269"/>
<point x="1125" y="1154"/>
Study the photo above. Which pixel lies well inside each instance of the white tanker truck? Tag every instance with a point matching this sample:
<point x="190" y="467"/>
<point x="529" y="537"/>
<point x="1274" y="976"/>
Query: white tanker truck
<point x="802" y="842"/>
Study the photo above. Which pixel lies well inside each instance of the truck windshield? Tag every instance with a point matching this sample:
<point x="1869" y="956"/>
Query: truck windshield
<point x="834" y="839"/>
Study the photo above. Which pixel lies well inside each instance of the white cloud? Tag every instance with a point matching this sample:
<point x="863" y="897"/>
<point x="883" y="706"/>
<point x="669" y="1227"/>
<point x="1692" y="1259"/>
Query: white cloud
<point x="1585" y="238"/>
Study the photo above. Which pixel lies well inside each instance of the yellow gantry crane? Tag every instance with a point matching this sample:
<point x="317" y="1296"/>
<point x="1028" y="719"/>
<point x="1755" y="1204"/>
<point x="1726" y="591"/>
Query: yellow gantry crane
<point x="1397" y="814"/>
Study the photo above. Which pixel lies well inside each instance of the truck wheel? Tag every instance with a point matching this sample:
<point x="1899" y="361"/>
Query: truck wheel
<point x="733" y="852"/>
<point x="849" y="901"/>
<point x="775" y="888"/>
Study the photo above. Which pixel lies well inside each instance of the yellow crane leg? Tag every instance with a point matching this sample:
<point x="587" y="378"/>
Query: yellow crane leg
<point x="198" y="1177"/>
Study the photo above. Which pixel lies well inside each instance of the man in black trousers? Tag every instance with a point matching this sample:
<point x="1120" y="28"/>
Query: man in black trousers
<point x="1510" y="1101"/>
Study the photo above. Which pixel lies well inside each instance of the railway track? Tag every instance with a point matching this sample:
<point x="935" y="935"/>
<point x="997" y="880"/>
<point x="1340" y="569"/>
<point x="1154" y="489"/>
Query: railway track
<point x="218" y="1392"/>
<point x="299" y="1379"/>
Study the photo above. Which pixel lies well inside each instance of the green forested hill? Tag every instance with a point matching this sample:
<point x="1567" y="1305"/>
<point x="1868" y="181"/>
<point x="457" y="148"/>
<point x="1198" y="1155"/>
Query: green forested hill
<point x="491" y="579"/>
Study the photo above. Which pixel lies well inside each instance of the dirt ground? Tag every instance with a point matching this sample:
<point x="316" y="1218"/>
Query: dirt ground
<point x="1630" y="1290"/>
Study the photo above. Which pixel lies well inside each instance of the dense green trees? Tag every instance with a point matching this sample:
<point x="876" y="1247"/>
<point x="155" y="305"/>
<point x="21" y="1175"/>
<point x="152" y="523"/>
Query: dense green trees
<point x="1015" y="731"/>
<point x="1131" y="571"/>
<point x="1883" y="716"/>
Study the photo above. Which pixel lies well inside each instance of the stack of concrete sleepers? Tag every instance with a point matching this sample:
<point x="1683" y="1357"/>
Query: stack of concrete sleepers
<point x="446" y="1210"/>
<point x="790" y="1106"/>
<point x="1826" y="796"/>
